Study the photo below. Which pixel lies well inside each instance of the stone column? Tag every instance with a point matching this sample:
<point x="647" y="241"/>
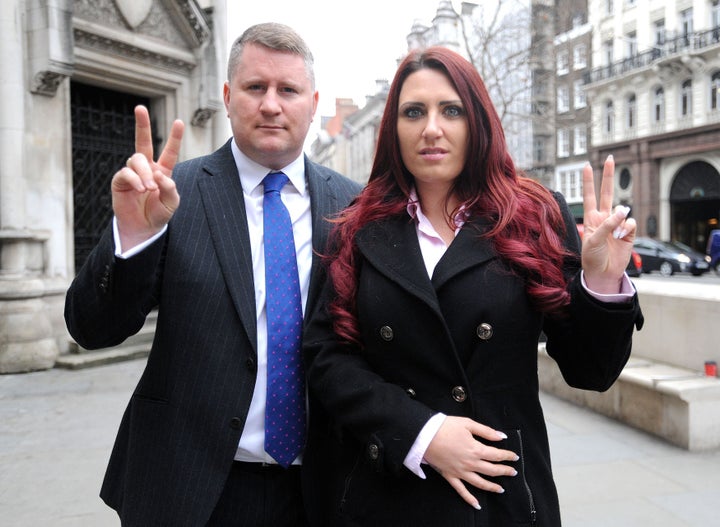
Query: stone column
<point x="26" y="339"/>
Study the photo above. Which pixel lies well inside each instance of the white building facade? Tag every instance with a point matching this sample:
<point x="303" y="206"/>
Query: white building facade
<point x="654" y="92"/>
<point x="72" y="72"/>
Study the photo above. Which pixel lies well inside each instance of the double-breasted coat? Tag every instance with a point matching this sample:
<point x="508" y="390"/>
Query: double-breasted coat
<point x="464" y="343"/>
<point x="181" y="428"/>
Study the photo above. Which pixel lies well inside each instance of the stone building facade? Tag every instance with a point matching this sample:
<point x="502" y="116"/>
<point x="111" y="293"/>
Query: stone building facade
<point x="655" y="92"/>
<point x="72" y="72"/>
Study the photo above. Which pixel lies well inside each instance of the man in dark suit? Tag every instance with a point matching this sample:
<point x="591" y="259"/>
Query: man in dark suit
<point x="188" y="240"/>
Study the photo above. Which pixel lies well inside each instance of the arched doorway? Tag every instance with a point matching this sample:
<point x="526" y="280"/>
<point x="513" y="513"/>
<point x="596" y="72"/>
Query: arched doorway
<point x="695" y="204"/>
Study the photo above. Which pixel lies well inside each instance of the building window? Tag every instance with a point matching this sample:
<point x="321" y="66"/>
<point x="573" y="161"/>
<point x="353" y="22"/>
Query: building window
<point x="630" y="111"/>
<point x="629" y="3"/>
<point x="580" y="140"/>
<point x="659" y="105"/>
<point x="609" y="118"/>
<point x="608" y="52"/>
<point x="686" y="99"/>
<point x="563" y="98"/>
<point x="660" y="32"/>
<point x="563" y="62"/>
<point x="686" y="23"/>
<point x="715" y="91"/>
<point x="631" y="45"/>
<point x="569" y="183"/>
<point x="580" y="57"/>
<point x="579" y="97"/>
<point x="563" y="143"/>
<point x="609" y="7"/>
<point x="715" y="14"/>
<point x="539" y="150"/>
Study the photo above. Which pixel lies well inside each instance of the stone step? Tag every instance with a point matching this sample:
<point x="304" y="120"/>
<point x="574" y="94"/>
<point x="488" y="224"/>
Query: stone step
<point x="90" y="359"/>
<point x="677" y="404"/>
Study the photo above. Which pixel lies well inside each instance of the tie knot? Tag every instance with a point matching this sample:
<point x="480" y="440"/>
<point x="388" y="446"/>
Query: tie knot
<point x="274" y="181"/>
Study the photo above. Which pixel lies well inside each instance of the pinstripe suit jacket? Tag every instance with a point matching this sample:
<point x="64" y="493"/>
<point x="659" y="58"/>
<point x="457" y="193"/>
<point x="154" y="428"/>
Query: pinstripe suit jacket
<point x="179" y="433"/>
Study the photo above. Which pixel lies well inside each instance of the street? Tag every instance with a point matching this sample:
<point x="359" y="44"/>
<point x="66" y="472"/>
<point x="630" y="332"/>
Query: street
<point x="58" y="427"/>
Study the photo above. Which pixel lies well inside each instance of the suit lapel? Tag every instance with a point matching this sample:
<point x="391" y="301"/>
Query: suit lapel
<point x="323" y="204"/>
<point x="224" y="206"/>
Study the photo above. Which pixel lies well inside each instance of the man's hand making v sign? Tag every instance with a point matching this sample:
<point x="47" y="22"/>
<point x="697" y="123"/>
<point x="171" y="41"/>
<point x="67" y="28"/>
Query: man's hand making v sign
<point x="144" y="196"/>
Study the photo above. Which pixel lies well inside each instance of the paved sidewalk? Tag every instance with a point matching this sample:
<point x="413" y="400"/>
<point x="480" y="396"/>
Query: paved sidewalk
<point x="57" y="428"/>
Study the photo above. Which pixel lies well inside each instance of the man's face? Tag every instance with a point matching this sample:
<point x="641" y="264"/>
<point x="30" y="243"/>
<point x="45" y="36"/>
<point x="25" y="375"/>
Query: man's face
<point x="271" y="103"/>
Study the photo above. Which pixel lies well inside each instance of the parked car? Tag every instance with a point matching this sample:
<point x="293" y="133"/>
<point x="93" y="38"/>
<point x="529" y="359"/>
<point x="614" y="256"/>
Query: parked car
<point x="635" y="265"/>
<point x="713" y="250"/>
<point x="670" y="257"/>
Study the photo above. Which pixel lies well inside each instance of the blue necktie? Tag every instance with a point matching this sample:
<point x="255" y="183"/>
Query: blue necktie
<point x="285" y="409"/>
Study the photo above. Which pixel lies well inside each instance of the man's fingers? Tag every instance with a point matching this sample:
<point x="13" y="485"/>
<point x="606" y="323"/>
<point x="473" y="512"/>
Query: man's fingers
<point x="140" y="166"/>
<point x="170" y="153"/>
<point x="143" y="132"/>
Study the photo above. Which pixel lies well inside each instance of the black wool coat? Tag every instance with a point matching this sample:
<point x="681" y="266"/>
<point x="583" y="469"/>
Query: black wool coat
<point x="464" y="343"/>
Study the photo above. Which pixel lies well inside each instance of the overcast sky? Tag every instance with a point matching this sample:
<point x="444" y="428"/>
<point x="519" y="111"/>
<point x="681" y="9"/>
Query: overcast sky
<point x="354" y="43"/>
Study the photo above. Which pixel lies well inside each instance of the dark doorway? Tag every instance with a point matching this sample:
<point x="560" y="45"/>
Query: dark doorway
<point x="695" y="204"/>
<point x="103" y="137"/>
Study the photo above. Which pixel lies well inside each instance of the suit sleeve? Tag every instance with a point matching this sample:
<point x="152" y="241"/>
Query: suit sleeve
<point x="592" y="343"/>
<point x="109" y="298"/>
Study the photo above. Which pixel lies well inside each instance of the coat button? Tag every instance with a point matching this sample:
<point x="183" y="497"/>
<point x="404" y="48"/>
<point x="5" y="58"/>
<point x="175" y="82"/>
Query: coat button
<point x="484" y="331"/>
<point x="250" y="364"/>
<point x="236" y="423"/>
<point x="386" y="333"/>
<point x="373" y="451"/>
<point x="459" y="394"/>
<point x="411" y="393"/>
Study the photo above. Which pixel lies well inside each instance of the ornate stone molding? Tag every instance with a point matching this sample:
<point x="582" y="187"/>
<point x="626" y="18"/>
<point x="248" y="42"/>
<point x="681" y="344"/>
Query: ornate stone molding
<point x="110" y="44"/>
<point x="191" y="19"/>
<point x="50" y="46"/>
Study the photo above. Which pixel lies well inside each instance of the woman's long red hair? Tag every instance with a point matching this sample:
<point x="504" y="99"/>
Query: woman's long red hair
<point x="526" y="222"/>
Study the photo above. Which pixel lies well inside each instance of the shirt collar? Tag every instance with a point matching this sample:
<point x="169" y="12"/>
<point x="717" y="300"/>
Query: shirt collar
<point x="416" y="213"/>
<point x="252" y="173"/>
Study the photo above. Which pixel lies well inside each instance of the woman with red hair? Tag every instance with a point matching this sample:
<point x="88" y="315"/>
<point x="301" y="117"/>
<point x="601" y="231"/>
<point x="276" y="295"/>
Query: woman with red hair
<point x="422" y="360"/>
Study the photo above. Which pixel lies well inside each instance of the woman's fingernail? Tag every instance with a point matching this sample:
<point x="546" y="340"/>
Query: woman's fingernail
<point x="609" y="158"/>
<point x="619" y="233"/>
<point x="501" y="435"/>
<point x="514" y="473"/>
<point x="501" y="491"/>
<point x="477" y="506"/>
<point x="622" y="210"/>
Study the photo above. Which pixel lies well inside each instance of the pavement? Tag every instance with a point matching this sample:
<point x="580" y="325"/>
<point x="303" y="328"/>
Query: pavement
<point x="57" y="428"/>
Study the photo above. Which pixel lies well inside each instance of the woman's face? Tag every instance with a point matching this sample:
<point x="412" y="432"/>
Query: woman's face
<point x="432" y="129"/>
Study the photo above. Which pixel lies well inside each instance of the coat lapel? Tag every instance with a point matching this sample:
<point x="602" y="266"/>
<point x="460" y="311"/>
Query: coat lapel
<point x="467" y="250"/>
<point x="224" y="206"/>
<point x="392" y="247"/>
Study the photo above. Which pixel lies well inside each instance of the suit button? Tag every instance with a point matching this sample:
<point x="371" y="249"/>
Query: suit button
<point x="459" y="394"/>
<point x="250" y="364"/>
<point x="484" y="331"/>
<point x="411" y="393"/>
<point x="387" y="333"/>
<point x="236" y="423"/>
<point x="373" y="451"/>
